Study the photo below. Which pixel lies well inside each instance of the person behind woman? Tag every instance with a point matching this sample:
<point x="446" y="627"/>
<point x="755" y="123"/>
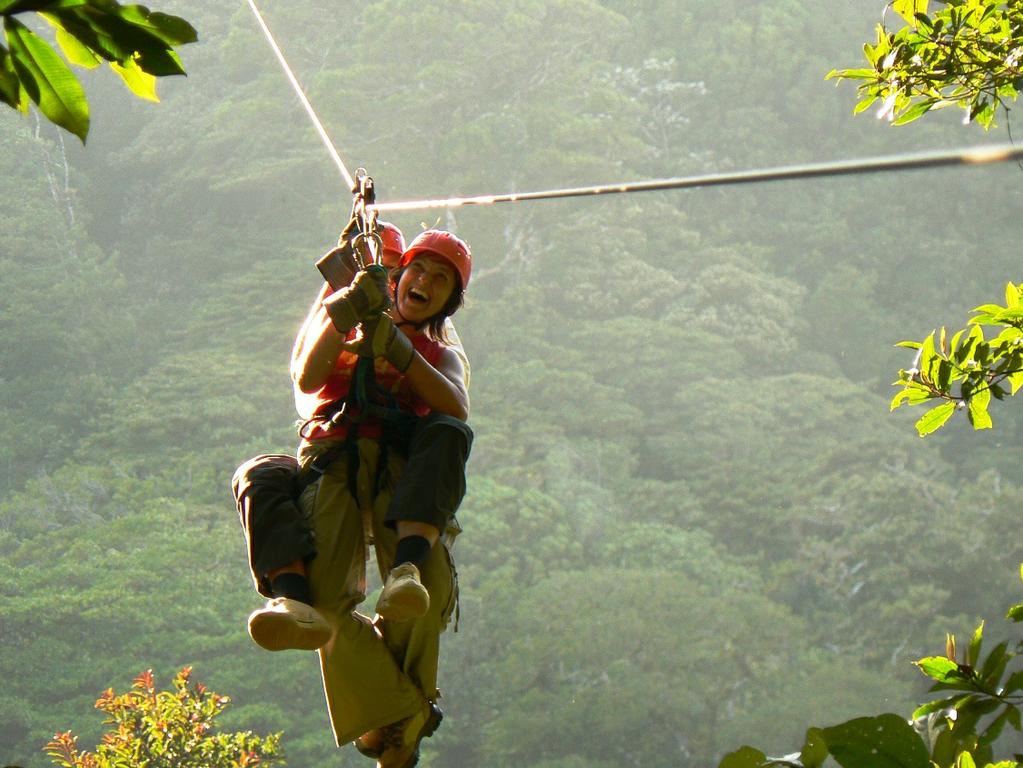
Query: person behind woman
<point x="388" y="451"/>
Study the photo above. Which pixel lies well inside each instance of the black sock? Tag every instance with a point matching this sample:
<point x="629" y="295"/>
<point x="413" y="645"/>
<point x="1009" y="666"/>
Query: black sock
<point x="412" y="549"/>
<point x="294" y="586"/>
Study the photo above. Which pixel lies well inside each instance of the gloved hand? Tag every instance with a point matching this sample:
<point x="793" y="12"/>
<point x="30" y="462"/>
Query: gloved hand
<point x="366" y="295"/>
<point x="381" y="338"/>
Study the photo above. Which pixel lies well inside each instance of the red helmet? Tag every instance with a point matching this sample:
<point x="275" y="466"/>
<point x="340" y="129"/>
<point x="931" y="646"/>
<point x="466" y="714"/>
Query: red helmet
<point x="452" y="249"/>
<point x="394" y="243"/>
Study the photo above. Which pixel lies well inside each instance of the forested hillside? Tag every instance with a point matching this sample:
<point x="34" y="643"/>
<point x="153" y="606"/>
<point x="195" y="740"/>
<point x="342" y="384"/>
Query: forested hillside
<point x="691" y="520"/>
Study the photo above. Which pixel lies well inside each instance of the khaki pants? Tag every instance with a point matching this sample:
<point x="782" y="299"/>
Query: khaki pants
<point x="373" y="673"/>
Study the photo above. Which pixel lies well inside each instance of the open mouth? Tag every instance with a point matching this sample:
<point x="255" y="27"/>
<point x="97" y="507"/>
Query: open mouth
<point x="418" y="297"/>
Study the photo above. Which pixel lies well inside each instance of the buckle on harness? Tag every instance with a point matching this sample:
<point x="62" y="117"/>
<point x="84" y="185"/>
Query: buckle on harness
<point x="328" y="424"/>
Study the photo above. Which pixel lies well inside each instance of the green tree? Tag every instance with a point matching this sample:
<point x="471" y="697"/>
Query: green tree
<point x="166" y="729"/>
<point x="136" y="43"/>
<point x="966" y="53"/>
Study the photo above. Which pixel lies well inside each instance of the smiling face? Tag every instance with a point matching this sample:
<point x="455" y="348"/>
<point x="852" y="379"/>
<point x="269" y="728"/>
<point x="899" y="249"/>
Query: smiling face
<point x="424" y="288"/>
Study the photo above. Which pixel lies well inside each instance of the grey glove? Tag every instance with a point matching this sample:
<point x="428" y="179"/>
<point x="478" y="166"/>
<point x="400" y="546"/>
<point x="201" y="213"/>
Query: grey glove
<point x="366" y="295"/>
<point x="381" y="338"/>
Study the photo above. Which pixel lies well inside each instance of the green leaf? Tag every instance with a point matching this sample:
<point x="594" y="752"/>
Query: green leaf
<point x="943" y="748"/>
<point x="1011" y="296"/>
<point x="935" y="418"/>
<point x="982" y="320"/>
<point x="885" y="741"/>
<point x="908" y="9"/>
<point x="1009" y="315"/>
<point x="10" y="84"/>
<point x="966" y="348"/>
<point x="944" y="375"/>
<point x="913" y="394"/>
<point x="989" y="309"/>
<point x="864" y="104"/>
<point x="965" y="760"/>
<point x="915" y="112"/>
<point x="982" y="352"/>
<point x="815" y="749"/>
<point x="909" y="344"/>
<point x="1015" y="613"/>
<point x="75" y="52"/>
<point x="973" y="650"/>
<point x="979" y="403"/>
<point x="10" y="7"/>
<point x="935" y="705"/>
<point x="140" y="83"/>
<point x="927" y="355"/>
<point x="940" y="668"/>
<point x="852" y="74"/>
<point x="744" y="757"/>
<point x="985" y="115"/>
<point x="49" y="81"/>
<point x="1008" y="335"/>
<point x="173" y="30"/>
<point x="1014" y="683"/>
<point x="994" y="664"/>
<point x="955" y="341"/>
<point x="1015" y="381"/>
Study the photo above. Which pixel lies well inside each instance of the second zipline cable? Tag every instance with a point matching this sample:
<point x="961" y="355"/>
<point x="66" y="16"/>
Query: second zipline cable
<point x="982" y="155"/>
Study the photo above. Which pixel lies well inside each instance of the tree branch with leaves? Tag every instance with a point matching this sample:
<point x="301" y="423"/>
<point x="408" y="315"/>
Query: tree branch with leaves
<point x="966" y="371"/>
<point x="966" y="53"/>
<point x="137" y="44"/>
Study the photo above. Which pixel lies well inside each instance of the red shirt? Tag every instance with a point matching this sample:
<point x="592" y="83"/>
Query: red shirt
<point x="338" y="383"/>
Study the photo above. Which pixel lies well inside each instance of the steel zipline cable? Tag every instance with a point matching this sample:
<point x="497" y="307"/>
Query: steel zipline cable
<point x="349" y="180"/>
<point x="992" y="153"/>
<point x="979" y="155"/>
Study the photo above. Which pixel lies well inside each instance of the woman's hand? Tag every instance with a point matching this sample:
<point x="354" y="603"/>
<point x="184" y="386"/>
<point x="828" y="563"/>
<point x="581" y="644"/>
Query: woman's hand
<point x="380" y="338"/>
<point x="367" y="295"/>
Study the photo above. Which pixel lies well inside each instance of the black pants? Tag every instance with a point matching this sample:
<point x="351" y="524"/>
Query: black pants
<point x="429" y="490"/>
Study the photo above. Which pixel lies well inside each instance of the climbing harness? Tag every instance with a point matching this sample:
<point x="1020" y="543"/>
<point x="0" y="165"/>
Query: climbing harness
<point x="365" y="398"/>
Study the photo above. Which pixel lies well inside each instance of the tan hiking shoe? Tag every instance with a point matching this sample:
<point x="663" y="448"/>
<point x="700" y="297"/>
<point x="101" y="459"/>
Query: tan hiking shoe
<point x="400" y="740"/>
<point x="404" y="597"/>
<point x="286" y="624"/>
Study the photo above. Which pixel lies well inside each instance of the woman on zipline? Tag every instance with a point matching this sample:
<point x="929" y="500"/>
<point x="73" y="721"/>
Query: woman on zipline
<point x="381" y="462"/>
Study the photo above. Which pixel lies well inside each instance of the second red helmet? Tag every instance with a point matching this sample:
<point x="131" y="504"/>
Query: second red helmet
<point x="449" y="247"/>
<point x="393" y="241"/>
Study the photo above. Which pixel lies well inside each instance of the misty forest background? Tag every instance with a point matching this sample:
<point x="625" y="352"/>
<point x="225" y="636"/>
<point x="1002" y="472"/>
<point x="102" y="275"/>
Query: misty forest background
<point x="691" y="521"/>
